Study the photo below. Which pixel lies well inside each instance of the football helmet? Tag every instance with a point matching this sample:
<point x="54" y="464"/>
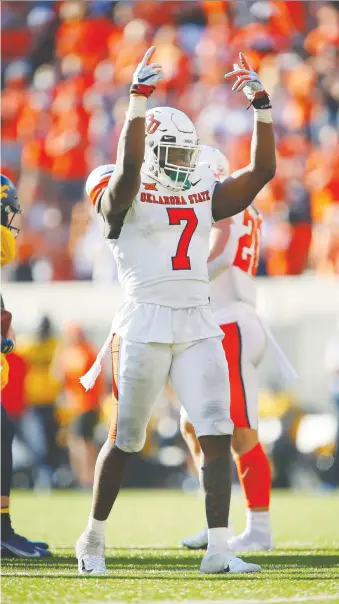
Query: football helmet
<point x="171" y="147"/>
<point x="98" y="181"/>
<point x="215" y="160"/>
<point x="10" y="206"/>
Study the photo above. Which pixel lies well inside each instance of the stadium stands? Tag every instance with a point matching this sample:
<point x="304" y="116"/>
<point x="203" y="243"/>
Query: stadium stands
<point x="66" y="69"/>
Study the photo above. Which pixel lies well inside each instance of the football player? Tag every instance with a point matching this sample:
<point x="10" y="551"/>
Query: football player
<point x="11" y="543"/>
<point x="232" y="266"/>
<point x="157" y="213"/>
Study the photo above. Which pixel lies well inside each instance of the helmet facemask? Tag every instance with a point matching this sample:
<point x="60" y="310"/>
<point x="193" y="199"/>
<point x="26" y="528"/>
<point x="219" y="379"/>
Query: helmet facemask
<point x="172" y="164"/>
<point x="10" y="218"/>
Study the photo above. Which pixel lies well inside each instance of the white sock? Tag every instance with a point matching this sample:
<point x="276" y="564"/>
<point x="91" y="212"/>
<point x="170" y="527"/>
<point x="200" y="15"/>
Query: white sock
<point x="258" y="521"/>
<point x="230" y="530"/>
<point x="97" y="526"/>
<point x="218" y="537"/>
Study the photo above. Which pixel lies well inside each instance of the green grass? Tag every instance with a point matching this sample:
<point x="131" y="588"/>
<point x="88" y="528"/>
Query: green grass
<point x="147" y="564"/>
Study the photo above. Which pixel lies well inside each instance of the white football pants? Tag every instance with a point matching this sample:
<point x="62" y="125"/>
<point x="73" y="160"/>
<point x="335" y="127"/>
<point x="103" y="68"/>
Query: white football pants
<point x="198" y="373"/>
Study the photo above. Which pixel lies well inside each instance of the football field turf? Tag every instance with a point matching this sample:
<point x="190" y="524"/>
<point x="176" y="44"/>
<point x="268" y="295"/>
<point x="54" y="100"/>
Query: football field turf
<point x="147" y="564"/>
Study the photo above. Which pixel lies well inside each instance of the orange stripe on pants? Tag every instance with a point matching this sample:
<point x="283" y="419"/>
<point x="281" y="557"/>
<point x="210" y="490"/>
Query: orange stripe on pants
<point x="233" y="349"/>
<point x="115" y="349"/>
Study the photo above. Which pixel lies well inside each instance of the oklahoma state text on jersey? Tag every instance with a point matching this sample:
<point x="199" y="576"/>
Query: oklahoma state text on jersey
<point x="175" y="200"/>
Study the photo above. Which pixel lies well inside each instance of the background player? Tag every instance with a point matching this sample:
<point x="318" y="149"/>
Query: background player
<point x="11" y="542"/>
<point x="165" y="327"/>
<point x="233" y="262"/>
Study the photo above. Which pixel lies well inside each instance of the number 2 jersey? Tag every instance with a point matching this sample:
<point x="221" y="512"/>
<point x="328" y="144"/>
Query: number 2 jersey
<point x="161" y="255"/>
<point x="240" y="259"/>
<point x="233" y="290"/>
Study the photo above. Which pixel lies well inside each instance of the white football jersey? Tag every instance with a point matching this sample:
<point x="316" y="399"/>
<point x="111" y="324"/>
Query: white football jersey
<point x="241" y="256"/>
<point x="162" y="250"/>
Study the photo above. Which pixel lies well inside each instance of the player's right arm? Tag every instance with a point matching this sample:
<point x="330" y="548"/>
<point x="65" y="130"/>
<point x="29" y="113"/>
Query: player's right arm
<point x="125" y="181"/>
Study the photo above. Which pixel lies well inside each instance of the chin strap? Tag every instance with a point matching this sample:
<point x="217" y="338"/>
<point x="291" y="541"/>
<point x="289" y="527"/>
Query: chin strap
<point x="167" y="185"/>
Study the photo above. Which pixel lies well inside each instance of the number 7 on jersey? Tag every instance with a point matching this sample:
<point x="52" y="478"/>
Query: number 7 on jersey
<point x="181" y="261"/>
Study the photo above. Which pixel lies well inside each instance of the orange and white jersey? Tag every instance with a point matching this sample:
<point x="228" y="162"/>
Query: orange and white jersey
<point x="161" y="255"/>
<point x="162" y="250"/>
<point x="232" y="272"/>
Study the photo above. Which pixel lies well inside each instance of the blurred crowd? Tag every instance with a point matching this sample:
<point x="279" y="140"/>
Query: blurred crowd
<point x="54" y="417"/>
<point x="66" y="70"/>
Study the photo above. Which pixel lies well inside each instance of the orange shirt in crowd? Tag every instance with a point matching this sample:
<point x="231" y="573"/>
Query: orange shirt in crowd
<point x="12" y="103"/>
<point x="34" y="156"/>
<point x="66" y="146"/>
<point x="15" y="43"/>
<point x="86" y="38"/>
<point x="298" y="250"/>
<point x="75" y="360"/>
<point x="157" y="13"/>
<point x="294" y="12"/>
<point x="75" y="86"/>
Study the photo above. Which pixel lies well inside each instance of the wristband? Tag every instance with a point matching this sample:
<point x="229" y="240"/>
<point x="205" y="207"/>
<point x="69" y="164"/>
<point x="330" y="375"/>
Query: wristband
<point x="263" y="115"/>
<point x="137" y="107"/>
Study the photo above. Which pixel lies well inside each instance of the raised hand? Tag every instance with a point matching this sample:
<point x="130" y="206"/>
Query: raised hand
<point x="146" y="75"/>
<point x="248" y="81"/>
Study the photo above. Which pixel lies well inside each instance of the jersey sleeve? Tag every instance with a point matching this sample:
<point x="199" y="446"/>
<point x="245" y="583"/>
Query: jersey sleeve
<point x="98" y="190"/>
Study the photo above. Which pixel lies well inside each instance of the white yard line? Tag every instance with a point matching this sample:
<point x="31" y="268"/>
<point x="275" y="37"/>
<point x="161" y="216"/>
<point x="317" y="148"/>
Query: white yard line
<point x="317" y="598"/>
<point x="261" y="601"/>
<point x="297" y="599"/>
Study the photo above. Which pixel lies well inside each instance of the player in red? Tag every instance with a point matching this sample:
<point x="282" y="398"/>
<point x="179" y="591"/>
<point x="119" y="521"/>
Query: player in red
<point x="232" y="267"/>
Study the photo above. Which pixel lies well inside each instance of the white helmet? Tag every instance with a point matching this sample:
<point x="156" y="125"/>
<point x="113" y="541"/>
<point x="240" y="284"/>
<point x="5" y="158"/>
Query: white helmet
<point x="216" y="161"/>
<point x="171" y="147"/>
<point x="98" y="180"/>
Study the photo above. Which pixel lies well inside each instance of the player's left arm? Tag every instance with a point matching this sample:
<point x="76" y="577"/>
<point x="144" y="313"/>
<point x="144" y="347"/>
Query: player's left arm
<point x="238" y="191"/>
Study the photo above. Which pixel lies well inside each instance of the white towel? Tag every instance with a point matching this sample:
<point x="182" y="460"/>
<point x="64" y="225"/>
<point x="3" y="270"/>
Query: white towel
<point x="88" y="380"/>
<point x="288" y="372"/>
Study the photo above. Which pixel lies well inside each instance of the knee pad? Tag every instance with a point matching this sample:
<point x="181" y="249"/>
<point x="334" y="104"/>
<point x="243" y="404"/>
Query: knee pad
<point x="216" y="422"/>
<point x="130" y="437"/>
